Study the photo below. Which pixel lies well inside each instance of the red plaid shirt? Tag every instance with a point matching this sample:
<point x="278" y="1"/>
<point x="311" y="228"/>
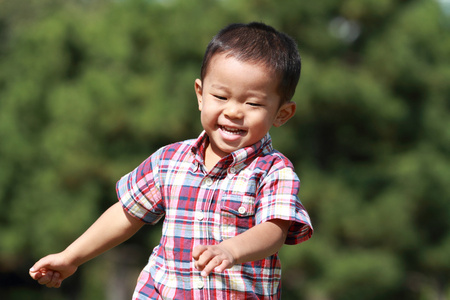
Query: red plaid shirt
<point x="252" y="185"/>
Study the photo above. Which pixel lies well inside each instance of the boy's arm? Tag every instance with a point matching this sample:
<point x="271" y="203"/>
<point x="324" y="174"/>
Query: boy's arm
<point x="112" y="228"/>
<point x="256" y="243"/>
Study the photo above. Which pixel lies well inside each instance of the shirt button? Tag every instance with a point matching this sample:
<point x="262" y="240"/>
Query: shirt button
<point x="199" y="284"/>
<point x="199" y="215"/>
<point x="232" y="170"/>
<point x="208" y="181"/>
<point x="242" y="210"/>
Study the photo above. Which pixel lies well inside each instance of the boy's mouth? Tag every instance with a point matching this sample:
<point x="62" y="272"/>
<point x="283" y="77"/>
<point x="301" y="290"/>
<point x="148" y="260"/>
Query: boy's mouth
<point x="233" y="131"/>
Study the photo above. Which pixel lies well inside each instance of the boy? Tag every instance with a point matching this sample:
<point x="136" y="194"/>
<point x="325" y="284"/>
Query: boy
<point x="229" y="199"/>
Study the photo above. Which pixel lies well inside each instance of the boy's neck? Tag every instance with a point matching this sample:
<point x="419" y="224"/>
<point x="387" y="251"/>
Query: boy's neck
<point x="211" y="158"/>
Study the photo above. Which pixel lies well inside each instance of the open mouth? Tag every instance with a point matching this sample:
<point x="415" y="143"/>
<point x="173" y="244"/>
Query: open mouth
<point x="232" y="131"/>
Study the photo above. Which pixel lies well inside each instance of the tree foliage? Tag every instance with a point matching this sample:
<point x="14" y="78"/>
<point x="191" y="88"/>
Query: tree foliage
<point x="88" y="89"/>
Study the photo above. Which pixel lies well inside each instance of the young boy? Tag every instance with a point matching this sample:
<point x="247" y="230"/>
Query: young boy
<point x="229" y="199"/>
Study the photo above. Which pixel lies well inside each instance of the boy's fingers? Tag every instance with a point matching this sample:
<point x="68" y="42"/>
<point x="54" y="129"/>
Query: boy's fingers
<point x="38" y="270"/>
<point x="58" y="284"/>
<point x="35" y="274"/>
<point x="214" y="263"/>
<point x="203" y="259"/>
<point x="197" y="251"/>
<point x="50" y="279"/>
<point x="45" y="277"/>
<point x="39" y="266"/>
<point x="224" y="265"/>
<point x="55" y="281"/>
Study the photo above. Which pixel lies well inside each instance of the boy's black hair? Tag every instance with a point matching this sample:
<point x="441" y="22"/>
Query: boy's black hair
<point x="260" y="43"/>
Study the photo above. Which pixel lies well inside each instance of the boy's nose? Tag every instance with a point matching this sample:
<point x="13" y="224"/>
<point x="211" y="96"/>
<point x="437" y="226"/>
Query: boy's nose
<point x="233" y="111"/>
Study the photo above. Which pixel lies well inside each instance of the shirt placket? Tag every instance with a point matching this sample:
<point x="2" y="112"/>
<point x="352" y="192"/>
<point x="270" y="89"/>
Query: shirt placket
<point x="206" y="194"/>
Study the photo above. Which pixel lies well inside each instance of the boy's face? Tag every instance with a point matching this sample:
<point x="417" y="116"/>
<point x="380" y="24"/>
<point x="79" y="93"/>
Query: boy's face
<point x="239" y="103"/>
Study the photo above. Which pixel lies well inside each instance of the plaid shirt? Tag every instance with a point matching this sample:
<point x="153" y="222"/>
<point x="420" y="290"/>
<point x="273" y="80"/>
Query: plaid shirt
<point x="252" y="185"/>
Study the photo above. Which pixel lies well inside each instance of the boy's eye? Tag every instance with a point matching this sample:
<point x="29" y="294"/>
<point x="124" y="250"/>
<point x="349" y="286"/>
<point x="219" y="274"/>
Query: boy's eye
<point x="220" y="97"/>
<point x="254" y="104"/>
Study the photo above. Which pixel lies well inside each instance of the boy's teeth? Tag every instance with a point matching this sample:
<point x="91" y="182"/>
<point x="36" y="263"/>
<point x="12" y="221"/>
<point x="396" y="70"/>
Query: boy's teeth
<point x="231" y="130"/>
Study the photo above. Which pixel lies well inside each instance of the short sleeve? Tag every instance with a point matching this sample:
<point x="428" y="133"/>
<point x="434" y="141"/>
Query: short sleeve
<point x="278" y="199"/>
<point x="139" y="191"/>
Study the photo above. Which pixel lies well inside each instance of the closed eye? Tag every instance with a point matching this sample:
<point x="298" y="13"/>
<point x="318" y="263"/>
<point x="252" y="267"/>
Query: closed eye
<point x="220" y="97"/>
<point x="254" y="104"/>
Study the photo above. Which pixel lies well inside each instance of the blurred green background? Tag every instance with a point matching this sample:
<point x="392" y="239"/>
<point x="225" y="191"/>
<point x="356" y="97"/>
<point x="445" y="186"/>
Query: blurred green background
<point x="89" y="89"/>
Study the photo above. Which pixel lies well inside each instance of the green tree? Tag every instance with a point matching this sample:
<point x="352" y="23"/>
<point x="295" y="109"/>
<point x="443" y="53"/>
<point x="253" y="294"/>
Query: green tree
<point x="88" y="89"/>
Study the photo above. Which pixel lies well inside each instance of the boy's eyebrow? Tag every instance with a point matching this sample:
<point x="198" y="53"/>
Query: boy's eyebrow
<point x="218" y="86"/>
<point x="250" y="93"/>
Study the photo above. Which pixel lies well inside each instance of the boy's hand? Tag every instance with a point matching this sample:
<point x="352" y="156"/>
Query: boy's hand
<point x="213" y="257"/>
<point x="258" y="242"/>
<point x="52" y="270"/>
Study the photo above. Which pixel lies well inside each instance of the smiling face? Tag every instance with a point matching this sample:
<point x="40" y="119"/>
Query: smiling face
<point x="239" y="103"/>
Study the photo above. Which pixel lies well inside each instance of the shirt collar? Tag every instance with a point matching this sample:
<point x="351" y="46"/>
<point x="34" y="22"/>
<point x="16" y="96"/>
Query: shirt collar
<point x="237" y="159"/>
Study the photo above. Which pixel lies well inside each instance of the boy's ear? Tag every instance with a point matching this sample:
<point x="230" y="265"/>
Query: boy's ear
<point x="285" y="112"/>
<point x="199" y="91"/>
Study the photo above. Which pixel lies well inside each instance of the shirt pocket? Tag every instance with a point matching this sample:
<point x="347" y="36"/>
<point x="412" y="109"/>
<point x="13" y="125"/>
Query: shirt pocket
<point x="237" y="214"/>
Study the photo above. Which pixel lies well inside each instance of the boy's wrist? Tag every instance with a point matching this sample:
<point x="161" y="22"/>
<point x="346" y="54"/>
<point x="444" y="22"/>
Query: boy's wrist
<point x="71" y="258"/>
<point x="230" y="248"/>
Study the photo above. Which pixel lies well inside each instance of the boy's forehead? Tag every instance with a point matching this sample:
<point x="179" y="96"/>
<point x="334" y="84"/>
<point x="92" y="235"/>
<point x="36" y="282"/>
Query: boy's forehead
<point x="229" y="54"/>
